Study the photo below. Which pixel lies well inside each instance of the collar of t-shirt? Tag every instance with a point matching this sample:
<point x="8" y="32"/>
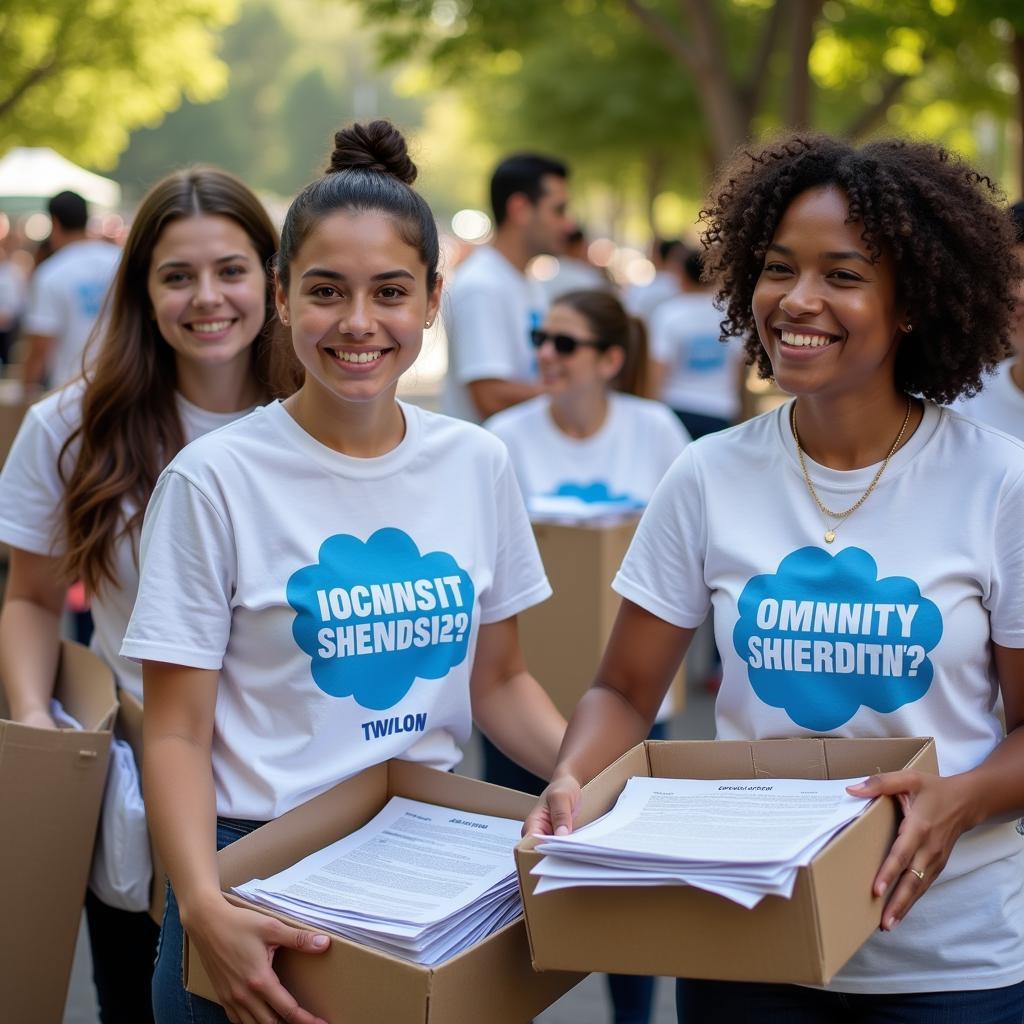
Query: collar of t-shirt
<point x="197" y="422"/>
<point x="856" y="480"/>
<point x="347" y="465"/>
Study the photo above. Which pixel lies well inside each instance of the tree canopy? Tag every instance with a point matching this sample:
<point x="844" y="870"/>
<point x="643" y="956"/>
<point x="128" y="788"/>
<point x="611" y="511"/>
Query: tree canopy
<point x="79" y="75"/>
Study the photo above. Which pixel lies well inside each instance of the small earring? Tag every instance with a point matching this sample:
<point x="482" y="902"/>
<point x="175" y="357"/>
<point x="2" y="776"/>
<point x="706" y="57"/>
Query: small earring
<point x="907" y="328"/>
<point x="427" y="323"/>
<point x="283" y="319"/>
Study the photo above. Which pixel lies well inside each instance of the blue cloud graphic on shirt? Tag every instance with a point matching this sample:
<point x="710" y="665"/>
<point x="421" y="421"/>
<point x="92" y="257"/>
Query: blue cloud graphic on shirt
<point x="375" y="616"/>
<point x="704" y="353"/>
<point x="594" y="493"/>
<point x="823" y="636"/>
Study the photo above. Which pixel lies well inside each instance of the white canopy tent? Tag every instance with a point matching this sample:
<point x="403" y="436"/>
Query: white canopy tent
<point x="27" y="173"/>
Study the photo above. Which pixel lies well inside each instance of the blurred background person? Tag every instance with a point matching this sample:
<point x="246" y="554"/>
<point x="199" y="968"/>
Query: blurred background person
<point x="699" y="377"/>
<point x="643" y="299"/>
<point x="492" y="305"/>
<point x="66" y="295"/>
<point x="576" y="272"/>
<point x="1000" y="403"/>
<point x="12" y="303"/>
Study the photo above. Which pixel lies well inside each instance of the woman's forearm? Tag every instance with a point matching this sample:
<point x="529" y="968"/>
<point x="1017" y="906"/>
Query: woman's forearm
<point x="520" y="719"/>
<point x="29" y="656"/>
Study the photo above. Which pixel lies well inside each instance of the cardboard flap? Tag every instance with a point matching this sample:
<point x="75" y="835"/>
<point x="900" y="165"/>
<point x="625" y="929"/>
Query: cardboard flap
<point x="872" y="756"/>
<point x="406" y="778"/>
<point x="85" y="686"/>
<point x="791" y="759"/>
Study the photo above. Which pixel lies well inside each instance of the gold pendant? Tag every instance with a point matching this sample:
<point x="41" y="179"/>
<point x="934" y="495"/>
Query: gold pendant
<point x="830" y="535"/>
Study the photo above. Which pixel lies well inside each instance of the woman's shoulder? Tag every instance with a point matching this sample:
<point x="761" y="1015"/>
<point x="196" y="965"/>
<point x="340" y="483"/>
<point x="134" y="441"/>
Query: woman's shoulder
<point x="461" y="436"/>
<point x="240" y="439"/>
<point x="59" y="413"/>
<point x="512" y="419"/>
<point x="988" y="448"/>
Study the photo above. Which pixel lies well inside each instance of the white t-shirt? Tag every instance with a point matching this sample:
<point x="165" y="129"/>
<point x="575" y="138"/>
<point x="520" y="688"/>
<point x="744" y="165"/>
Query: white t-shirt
<point x="643" y="299"/>
<point x="488" y="314"/>
<point x="1000" y="403"/>
<point x="702" y="371"/>
<point x="31" y="492"/>
<point x="884" y="633"/>
<point x="65" y="298"/>
<point x="623" y="462"/>
<point x="340" y="598"/>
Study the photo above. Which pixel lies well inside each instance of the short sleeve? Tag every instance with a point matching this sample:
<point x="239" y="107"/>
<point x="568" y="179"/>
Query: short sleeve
<point x="1006" y="594"/>
<point x="45" y="311"/>
<point x="31" y="490"/>
<point x="482" y="336"/>
<point x="519" y="580"/>
<point x="663" y="570"/>
<point x="187" y="579"/>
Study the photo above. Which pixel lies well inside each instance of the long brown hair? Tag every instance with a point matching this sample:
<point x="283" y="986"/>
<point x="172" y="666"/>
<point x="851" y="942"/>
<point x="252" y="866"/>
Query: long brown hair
<point x="129" y="428"/>
<point x="612" y="325"/>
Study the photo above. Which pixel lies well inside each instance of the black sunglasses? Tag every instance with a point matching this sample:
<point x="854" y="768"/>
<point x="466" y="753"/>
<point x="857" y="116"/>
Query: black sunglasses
<point x="565" y="344"/>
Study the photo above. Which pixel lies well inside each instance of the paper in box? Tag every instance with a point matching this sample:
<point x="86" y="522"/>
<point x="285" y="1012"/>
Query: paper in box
<point x="680" y="931"/>
<point x="492" y="981"/>
<point x="563" y="638"/>
<point x="51" y="790"/>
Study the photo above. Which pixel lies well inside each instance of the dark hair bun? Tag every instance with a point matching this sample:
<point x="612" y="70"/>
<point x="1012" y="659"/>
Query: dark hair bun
<point x="377" y="146"/>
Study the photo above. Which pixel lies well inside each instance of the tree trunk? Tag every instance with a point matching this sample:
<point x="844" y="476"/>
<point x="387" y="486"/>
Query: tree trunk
<point x="798" y="107"/>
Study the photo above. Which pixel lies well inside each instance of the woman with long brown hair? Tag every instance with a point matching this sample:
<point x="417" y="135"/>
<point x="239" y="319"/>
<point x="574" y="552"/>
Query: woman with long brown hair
<point x="184" y="346"/>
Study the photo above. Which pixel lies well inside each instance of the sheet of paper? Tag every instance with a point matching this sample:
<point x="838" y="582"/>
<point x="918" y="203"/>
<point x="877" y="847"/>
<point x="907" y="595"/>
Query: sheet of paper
<point x="418" y="880"/>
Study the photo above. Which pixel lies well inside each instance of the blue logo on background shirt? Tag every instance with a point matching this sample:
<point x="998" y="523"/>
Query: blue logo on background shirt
<point x="374" y="617"/>
<point x="595" y="493"/>
<point x="824" y="636"/>
<point x="705" y="353"/>
<point x="90" y="297"/>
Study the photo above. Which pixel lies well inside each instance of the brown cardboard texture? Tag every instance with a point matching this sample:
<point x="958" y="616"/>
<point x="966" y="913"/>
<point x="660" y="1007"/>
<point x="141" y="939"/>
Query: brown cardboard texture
<point x="684" y="932"/>
<point x="129" y="729"/>
<point x="51" y="790"/>
<point x="563" y="639"/>
<point x="492" y="981"/>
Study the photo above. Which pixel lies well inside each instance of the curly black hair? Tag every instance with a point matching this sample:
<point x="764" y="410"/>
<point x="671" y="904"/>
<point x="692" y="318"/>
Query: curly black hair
<point x="941" y="222"/>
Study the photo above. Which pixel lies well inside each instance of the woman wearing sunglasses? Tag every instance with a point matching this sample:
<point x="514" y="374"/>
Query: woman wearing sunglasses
<point x="590" y="437"/>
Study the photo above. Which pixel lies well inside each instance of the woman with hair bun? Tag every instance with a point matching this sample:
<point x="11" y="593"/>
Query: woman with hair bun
<point x="183" y="348"/>
<point x="327" y="584"/>
<point x="874" y="285"/>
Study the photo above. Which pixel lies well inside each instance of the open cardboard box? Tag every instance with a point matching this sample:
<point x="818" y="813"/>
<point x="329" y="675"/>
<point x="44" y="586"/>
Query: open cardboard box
<point x="563" y="639"/>
<point x="491" y="981"/>
<point x="51" y="791"/>
<point x="684" y="932"/>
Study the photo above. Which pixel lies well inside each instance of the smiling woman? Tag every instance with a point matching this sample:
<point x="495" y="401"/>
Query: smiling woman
<point x="861" y="586"/>
<point x="337" y="555"/>
<point x="184" y="347"/>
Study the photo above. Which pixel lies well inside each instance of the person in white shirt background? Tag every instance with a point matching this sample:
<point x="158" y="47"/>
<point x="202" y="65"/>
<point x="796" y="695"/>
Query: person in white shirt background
<point x="694" y="373"/>
<point x="875" y="285"/>
<point x="185" y="349"/>
<point x="1000" y="402"/>
<point x="492" y="305"/>
<point x="591" y="436"/>
<point x="309" y="603"/>
<point x="575" y="271"/>
<point x="66" y="295"/>
<point x="643" y="299"/>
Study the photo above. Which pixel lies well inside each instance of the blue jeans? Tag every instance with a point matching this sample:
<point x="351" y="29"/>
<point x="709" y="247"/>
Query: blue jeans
<point x="709" y="1002"/>
<point x="171" y="1003"/>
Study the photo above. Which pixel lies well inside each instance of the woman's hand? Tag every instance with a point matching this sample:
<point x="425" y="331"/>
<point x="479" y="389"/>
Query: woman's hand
<point x="555" y="810"/>
<point x="936" y="812"/>
<point x="38" y="719"/>
<point x="237" y="948"/>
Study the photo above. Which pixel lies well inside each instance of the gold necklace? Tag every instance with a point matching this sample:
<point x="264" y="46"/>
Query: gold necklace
<point x="830" y="531"/>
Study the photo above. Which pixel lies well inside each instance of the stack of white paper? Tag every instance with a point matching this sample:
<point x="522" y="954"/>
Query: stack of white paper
<point x="569" y="510"/>
<point x="419" y="881"/>
<point x="741" y="838"/>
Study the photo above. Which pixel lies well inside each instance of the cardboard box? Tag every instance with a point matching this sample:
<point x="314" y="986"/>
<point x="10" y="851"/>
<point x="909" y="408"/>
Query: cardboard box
<point x="493" y="981"/>
<point x="680" y="931"/>
<point x="51" y="790"/>
<point x="129" y="729"/>
<point x="13" y="406"/>
<point x="564" y="638"/>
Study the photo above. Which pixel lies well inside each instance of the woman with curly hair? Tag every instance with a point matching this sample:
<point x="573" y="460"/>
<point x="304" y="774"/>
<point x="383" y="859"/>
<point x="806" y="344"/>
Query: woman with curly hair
<point x="873" y="285"/>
